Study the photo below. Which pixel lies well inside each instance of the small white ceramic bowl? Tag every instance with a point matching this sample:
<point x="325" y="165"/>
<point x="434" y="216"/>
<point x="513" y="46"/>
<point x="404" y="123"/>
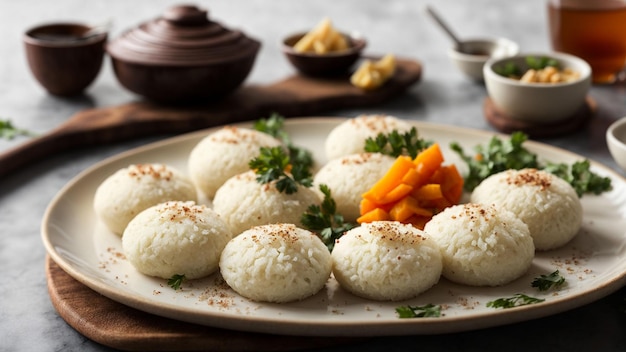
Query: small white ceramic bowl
<point x="616" y="141"/>
<point x="471" y="55"/>
<point x="538" y="102"/>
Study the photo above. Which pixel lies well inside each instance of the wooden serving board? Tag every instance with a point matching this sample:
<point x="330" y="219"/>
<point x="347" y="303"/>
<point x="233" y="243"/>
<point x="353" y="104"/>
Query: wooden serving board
<point x="294" y="96"/>
<point x="118" y="326"/>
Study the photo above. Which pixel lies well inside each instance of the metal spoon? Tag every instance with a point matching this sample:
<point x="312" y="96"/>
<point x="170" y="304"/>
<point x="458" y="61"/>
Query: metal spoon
<point x="445" y="27"/>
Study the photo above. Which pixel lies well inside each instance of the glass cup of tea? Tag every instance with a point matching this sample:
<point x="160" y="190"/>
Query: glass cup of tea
<point x="594" y="30"/>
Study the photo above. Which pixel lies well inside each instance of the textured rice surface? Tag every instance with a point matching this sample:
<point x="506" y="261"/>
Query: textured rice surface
<point x="176" y="238"/>
<point x="386" y="261"/>
<point x="276" y="263"/>
<point x="223" y="154"/>
<point x="349" y="137"/>
<point x="243" y="203"/>
<point x="481" y="245"/>
<point x="130" y="190"/>
<point x="350" y="176"/>
<point x="546" y="203"/>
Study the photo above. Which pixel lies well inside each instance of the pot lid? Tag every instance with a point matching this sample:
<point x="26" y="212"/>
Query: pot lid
<point x="182" y="36"/>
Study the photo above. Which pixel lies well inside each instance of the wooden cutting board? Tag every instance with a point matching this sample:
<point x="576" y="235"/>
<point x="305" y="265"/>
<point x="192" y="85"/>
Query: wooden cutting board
<point x="294" y="96"/>
<point x="118" y="326"/>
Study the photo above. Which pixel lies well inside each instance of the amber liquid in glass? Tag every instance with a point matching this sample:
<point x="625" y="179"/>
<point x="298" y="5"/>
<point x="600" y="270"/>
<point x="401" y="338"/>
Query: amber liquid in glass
<point x="596" y="35"/>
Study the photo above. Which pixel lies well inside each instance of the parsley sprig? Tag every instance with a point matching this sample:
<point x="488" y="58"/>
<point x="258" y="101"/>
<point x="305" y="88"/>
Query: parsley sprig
<point x="9" y="131"/>
<point x="274" y="126"/>
<point x="272" y="165"/>
<point x="500" y="155"/>
<point x="519" y="299"/>
<point x="428" y="310"/>
<point x="546" y="282"/>
<point x="175" y="281"/>
<point x="396" y="143"/>
<point x="324" y="220"/>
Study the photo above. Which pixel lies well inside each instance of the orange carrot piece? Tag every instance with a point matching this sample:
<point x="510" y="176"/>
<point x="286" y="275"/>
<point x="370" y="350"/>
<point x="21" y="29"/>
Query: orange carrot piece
<point x="428" y="191"/>
<point x="396" y="194"/>
<point x="406" y="208"/>
<point x="411" y="177"/>
<point x="377" y="214"/>
<point x="427" y="162"/>
<point x="390" y="180"/>
<point x="366" y="206"/>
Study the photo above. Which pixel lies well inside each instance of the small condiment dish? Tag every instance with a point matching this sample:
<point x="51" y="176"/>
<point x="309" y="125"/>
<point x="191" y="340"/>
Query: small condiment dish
<point x="329" y="64"/>
<point x="65" y="58"/>
<point x="538" y="103"/>
<point x="471" y="55"/>
<point x="616" y="141"/>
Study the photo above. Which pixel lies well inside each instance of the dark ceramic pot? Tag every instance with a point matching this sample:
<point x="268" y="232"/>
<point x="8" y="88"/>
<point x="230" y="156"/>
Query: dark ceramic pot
<point x="182" y="57"/>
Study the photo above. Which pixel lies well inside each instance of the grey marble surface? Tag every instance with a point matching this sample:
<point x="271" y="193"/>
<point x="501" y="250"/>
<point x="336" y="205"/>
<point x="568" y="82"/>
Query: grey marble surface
<point x="28" y="321"/>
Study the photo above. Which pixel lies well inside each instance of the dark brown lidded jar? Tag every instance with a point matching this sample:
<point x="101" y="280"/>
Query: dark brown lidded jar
<point x="182" y="56"/>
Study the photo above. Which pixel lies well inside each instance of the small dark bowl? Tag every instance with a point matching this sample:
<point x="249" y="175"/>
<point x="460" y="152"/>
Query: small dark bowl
<point x="62" y="59"/>
<point x="331" y="64"/>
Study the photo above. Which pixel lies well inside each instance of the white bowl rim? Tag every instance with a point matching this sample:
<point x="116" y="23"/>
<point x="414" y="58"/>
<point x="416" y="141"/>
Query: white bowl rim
<point x="499" y="41"/>
<point x="584" y="69"/>
<point x="610" y="133"/>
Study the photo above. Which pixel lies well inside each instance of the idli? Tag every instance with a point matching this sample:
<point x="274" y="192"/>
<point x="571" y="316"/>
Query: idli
<point x="130" y="190"/>
<point x="348" y="177"/>
<point x="386" y="261"/>
<point x="481" y="245"/>
<point x="276" y="263"/>
<point x="223" y="154"/>
<point x="243" y="202"/>
<point x="349" y="136"/>
<point x="176" y="238"/>
<point x="548" y="204"/>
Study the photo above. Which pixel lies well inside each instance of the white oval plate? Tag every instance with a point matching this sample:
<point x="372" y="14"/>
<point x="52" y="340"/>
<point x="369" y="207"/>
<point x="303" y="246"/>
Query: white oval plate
<point x="594" y="263"/>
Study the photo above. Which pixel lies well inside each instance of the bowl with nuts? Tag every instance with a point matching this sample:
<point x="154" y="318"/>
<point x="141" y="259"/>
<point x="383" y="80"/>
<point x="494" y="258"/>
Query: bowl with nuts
<point x="323" y="51"/>
<point x="538" y="87"/>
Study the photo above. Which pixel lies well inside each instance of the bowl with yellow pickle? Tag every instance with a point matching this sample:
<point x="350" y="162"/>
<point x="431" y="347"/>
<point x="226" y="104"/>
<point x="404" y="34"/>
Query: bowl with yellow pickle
<point x="323" y="51"/>
<point x="538" y="87"/>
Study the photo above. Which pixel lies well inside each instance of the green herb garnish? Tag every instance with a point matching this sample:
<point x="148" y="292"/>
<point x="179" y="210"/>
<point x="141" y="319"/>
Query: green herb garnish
<point x="519" y="299"/>
<point x="580" y="177"/>
<point x="9" y="131"/>
<point x="511" y="70"/>
<point x="175" y="281"/>
<point x="500" y="155"/>
<point x="396" y="143"/>
<point x="497" y="156"/>
<point x="274" y="126"/>
<point x="545" y="282"/>
<point x="324" y="220"/>
<point x="272" y="165"/>
<point x="539" y="63"/>
<point x="429" y="310"/>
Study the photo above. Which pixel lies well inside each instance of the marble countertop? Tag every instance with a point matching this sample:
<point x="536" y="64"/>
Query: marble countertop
<point x="29" y="322"/>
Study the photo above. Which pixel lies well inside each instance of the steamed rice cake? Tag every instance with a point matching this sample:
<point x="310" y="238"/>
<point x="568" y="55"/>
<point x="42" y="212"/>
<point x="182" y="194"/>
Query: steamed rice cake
<point x="176" y="238"/>
<point x="243" y="202"/>
<point x="276" y="263"/>
<point x="481" y="245"/>
<point x="386" y="261"/>
<point x="548" y="204"/>
<point x="127" y="192"/>
<point x="348" y="177"/>
<point x="223" y="154"/>
<point x="349" y="136"/>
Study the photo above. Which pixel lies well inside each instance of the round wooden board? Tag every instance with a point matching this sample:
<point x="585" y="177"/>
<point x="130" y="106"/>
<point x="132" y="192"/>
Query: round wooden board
<point x="115" y="325"/>
<point x="503" y="123"/>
